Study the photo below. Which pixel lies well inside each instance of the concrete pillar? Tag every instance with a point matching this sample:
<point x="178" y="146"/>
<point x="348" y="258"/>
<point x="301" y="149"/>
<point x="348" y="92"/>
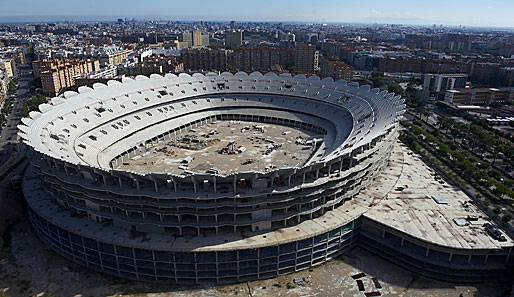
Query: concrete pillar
<point x="289" y="180"/>
<point x="156" y="186"/>
<point x="469" y="259"/>
<point x="121" y="183"/>
<point x="329" y="169"/>
<point x="104" y="178"/>
<point x="214" y="182"/>
<point x="317" y="173"/>
<point x="66" y="170"/>
<point x="235" y="180"/>
<point x="194" y="182"/>
<point x="428" y="251"/>
<point x="450" y="258"/>
<point x="137" y="183"/>
<point x="303" y="181"/>
<point x="486" y="258"/>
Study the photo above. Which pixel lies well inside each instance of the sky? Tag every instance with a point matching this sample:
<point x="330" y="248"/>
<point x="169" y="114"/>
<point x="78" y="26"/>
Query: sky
<point x="490" y="13"/>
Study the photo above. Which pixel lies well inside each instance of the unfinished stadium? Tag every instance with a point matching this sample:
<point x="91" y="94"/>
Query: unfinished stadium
<point x="223" y="178"/>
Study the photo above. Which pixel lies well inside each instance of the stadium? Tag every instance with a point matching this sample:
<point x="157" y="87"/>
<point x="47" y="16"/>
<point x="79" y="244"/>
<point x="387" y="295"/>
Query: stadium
<point x="219" y="178"/>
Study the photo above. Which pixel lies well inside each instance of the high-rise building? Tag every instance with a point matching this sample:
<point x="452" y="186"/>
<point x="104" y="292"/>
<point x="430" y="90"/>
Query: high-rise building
<point x="204" y="59"/>
<point x="336" y="70"/>
<point x="9" y="66"/>
<point x="306" y="58"/>
<point x="186" y="37"/>
<point x="262" y="58"/>
<point x="60" y="75"/>
<point x="233" y="39"/>
<point x="197" y="38"/>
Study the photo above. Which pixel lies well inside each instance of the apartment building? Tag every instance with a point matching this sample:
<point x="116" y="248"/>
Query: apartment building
<point x="306" y="58"/>
<point x="233" y="39"/>
<point x="262" y="58"/>
<point x="206" y="59"/>
<point x="60" y="75"/>
<point x="336" y="70"/>
<point x="9" y="66"/>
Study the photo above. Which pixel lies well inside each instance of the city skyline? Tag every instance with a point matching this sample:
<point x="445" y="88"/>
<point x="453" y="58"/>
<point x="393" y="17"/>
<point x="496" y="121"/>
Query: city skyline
<point x="466" y="13"/>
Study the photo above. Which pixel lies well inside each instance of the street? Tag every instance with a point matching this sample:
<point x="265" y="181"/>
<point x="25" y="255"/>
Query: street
<point x="8" y="135"/>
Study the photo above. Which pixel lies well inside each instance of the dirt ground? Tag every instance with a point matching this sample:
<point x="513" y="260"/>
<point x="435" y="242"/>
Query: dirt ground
<point x="28" y="268"/>
<point x="167" y="156"/>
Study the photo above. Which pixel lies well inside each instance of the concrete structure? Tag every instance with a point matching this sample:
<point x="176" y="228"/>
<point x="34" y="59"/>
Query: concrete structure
<point x="204" y="59"/>
<point x="336" y="70"/>
<point x="262" y="58"/>
<point x="306" y="58"/>
<point x="197" y="38"/>
<point x="9" y="66"/>
<point x="211" y="227"/>
<point x="234" y="39"/>
<point x="479" y="96"/>
<point x="114" y="57"/>
<point x="59" y="74"/>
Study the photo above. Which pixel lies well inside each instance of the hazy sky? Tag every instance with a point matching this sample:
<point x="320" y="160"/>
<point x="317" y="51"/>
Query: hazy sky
<point x="448" y="12"/>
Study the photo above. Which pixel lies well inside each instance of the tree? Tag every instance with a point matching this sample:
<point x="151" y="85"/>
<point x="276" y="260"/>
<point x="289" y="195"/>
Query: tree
<point x="395" y="88"/>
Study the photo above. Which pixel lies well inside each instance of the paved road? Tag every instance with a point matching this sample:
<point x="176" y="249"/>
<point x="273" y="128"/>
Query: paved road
<point x="8" y="136"/>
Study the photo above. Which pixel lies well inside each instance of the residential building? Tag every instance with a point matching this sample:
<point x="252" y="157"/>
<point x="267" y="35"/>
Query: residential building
<point x="206" y="59"/>
<point x="61" y="75"/>
<point x="306" y="58"/>
<point x="9" y="66"/>
<point x="197" y="38"/>
<point x="233" y="39"/>
<point x="262" y="58"/>
<point x="336" y="70"/>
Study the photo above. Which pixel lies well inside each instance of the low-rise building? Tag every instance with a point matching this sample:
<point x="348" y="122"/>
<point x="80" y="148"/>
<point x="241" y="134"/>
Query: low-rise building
<point x="483" y="96"/>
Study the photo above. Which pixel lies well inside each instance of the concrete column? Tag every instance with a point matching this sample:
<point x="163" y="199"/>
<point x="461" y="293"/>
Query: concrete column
<point x="486" y="258"/>
<point x="194" y="182"/>
<point x="137" y="184"/>
<point x="289" y="180"/>
<point x="428" y="251"/>
<point x="214" y="182"/>
<point x="450" y="258"/>
<point x="329" y="169"/>
<point x="121" y="183"/>
<point x="235" y="180"/>
<point x="303" y="181"/>
<point x="317" y="173"/>
<point x="156" y="186"/>
<point x="469" y="259"/>
<point x="104" y="178"/>
<point x="66" y="170"/>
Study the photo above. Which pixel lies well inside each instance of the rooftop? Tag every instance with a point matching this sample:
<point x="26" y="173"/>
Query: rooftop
<point x="410" y="208"/>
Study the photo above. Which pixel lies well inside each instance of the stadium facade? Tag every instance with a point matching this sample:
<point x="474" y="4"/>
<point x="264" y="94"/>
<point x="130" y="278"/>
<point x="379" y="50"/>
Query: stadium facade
<point x="205" y="227"/>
